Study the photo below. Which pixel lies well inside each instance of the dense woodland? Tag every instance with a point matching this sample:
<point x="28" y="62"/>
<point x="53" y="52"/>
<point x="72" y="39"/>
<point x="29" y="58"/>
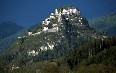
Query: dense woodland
<point x="97" y="56"/>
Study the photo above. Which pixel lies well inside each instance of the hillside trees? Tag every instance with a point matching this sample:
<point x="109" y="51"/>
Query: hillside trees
<point x="94" y="52"/>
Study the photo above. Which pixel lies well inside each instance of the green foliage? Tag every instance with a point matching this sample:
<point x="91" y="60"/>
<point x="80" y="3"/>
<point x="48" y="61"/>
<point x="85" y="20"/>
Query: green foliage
<point x="105" y="24"/>
<point x="97" y="51"/>
<point x="96" y="56"/>
<point x="9" y="41"/>
<point x="96" y="68"/>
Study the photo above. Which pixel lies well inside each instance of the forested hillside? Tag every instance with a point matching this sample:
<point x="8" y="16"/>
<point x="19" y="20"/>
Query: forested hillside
<point x="105" y="24"/>
<point x="96" y="56"/>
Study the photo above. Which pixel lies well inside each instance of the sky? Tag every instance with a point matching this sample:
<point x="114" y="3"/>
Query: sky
<point x="31" y="12"/>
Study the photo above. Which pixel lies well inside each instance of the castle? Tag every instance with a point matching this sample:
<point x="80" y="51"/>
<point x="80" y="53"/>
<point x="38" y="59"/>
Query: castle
<point x="55" y="19"/>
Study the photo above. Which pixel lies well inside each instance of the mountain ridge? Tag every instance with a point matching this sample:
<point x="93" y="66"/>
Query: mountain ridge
<point x="8" y="28"/>
<point x="106" y="24"/>
<point x="9" y="31"/>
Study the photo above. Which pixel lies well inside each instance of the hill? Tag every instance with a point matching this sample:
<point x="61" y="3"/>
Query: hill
<point x="59" y="34"/>
<point x="9" y="31"/>
<point x="8" y="28"/>
<point x="9" y="41"/>
<point x="106" y="24"/>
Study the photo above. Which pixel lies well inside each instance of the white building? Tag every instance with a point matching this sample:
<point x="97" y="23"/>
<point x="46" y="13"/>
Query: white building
<point x="43" y="22"/>
<point x="45" y="28"/>
<point x="56" y="11"/>
<point x="67" y="18"/>
<point x="46" y="22"/>
<point x="51" y="46"/>
<point x="81" y="23"/>
<point x="74" y="10"/>
<point x="43" y="48"/>
<point x="55" y="25"/>
<point x="104" y="36"/>
<point x="52" y="17"/>
<point x="59" y="19"/>
<point x="15" y="67"/>
<point x="19" y="37"/>
<point x="36" y="33"/>
<point x="52" y="30"/>
<point x="47" y="19"/>
<point x="29" y="33"/>
<point x="70" y="10"/>
<point x="17" y="43"/>
<point x="52" y="13"/>
<point x="64" y="11"/>
<point x="79" y="20"/>
<point x="56" y="28"/>
<point x="32" y="53"/>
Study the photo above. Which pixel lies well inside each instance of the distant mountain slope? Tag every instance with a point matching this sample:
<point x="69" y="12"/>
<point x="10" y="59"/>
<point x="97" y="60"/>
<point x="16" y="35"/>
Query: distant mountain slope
<point x="7" y="42"/>
<point x="105" y="23"/>
<point x="9" y="31"/>
<point x="8" y="28"/>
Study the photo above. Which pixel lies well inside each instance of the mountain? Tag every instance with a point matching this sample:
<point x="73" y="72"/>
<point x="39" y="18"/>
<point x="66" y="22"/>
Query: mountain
<point x="9" y="41"/>
<point x="8" y="28"/>
<point x="106" y="24"/>
<point x="9" y="31"/>
<point x="62" y="32"/>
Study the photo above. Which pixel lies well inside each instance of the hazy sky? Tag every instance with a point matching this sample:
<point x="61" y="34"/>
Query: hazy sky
<point x="30" y="12"/>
